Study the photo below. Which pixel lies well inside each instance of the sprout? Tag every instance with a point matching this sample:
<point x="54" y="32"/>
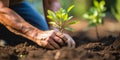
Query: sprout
<point x="60" y="18"/>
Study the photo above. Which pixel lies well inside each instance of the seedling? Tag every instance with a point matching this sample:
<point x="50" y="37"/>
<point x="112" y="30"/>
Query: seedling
<point x="96" y="14"/>
<point x="60" y="19"/>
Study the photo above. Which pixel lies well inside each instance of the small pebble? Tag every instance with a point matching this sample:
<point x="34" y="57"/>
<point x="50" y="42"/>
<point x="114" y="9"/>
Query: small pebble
<point x="2" y="42"/>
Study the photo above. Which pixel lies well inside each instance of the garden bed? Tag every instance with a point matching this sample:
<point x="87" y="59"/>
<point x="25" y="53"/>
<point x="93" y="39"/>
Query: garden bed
<point x="89" y="47"/>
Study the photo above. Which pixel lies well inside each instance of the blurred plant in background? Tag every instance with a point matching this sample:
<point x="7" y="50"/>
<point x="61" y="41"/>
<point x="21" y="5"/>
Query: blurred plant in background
<point x="96" y="13"/>
<point x="81" y="6"/>
<point x="116" y="13"/>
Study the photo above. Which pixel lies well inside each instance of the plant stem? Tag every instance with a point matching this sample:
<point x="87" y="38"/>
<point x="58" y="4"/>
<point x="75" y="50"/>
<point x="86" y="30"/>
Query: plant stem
<point x="97" y="33"/>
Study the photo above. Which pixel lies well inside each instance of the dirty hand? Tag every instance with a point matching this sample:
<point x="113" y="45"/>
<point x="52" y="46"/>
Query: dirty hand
<point x="70" y="42"/>
<point x="53" y="40"/>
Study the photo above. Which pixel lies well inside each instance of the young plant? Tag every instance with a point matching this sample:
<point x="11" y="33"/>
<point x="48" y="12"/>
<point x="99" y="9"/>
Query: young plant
<point x="96" y="14"/>
<point x="60" y="19"/>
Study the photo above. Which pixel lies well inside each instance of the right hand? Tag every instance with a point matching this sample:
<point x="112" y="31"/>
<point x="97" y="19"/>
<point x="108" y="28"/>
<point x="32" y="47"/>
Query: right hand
<point x="54" y="40"/>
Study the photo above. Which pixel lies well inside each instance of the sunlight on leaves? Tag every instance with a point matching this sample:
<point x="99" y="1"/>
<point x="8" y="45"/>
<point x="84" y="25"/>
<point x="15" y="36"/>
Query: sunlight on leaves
<point x="60" y="19"/>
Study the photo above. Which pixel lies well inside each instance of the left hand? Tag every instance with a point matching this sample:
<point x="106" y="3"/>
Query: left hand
<point x="70" y="42"/>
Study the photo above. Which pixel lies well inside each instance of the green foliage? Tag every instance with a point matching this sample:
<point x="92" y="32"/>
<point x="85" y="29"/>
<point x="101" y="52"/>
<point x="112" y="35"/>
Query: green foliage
<point x="116" y="14"/>
<point x="60" y="18"/>
<point x="80" y="6"/>
<point x="96" y="13"/>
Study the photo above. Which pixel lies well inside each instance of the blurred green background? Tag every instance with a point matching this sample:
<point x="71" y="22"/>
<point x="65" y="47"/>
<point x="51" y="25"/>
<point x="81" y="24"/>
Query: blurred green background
<point x="81" y="6"/>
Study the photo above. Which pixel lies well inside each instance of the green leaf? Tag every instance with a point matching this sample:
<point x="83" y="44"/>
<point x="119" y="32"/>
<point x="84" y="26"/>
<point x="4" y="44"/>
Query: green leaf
<point x="53" y="23"/>
<point x="50" y="17"/>
<point x="70" y="17"/>
<point x="72" y="22"/>
<point x="96" y="4"/>
<point x="103" y="15"/>
<point x="94" y="21"/>
<point x="65" y="17"/>
<point x="92" y="9"/>
<point x="92" y="24"/>
<point x="100" y="21"/>
<point x="69" y="29"/>
<point x="117" y="15"/>
<point x="58" y="15"/>
<point x="70" y="8"/>
<point x="63" y="10"/>
<point x="95" y="13"/>
<point x="85" y="16"/>
<point x="52" y="14"/>
<point x="102" y="3"/>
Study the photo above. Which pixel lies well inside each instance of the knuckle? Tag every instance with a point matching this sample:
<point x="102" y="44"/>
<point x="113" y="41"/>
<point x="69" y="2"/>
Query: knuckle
<point x="62" y="36"/>
<point x="53" y="31"/>
<point x="50" y="36"/>
<point x="56" y="38"/>
<point x="47" y="41"/>
<point x="46" y="45"/>
<point x="59" y="33"/>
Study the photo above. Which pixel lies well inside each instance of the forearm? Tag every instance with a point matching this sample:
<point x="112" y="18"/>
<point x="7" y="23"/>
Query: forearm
<point x="4" y="3"/>
<point x="53" y="5"/>
<point x="16" y="24"/>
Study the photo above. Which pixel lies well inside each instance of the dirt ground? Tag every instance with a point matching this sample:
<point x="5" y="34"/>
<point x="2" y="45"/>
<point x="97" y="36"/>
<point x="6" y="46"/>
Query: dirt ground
<point x="91" y="45"/>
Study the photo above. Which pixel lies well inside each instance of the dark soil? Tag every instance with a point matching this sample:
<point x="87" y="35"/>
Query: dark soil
<point x="89" y="46"/>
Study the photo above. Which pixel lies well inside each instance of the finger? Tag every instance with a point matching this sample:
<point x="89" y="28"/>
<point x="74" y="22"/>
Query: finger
<point x="53" y="43"/>
<point x="72" y="43"/>
<point x="69" y="43"/>
<point x="49" y="46"/>
<point x="62" y="36"/>
<point x="58" y="40"/>
<point x="45" y="44"/>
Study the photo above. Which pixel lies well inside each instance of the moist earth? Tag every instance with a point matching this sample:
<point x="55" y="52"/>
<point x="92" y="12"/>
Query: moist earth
<point x="91" y="44"/>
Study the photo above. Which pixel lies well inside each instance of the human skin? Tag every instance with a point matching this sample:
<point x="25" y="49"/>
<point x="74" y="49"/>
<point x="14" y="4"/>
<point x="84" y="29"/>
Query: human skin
<point x="50" y="39"/>
<point x="52" y="5"/>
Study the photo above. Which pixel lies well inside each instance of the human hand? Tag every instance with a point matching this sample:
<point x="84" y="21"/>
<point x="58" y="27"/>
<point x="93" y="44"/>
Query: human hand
<point x="50" y="39"/>
<point x="70" y="42"/>
<point x="53" y="39"/>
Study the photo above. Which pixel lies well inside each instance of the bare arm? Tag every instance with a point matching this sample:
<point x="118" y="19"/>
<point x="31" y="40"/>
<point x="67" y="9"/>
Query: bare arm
<point x="19" y="26"/>
<point x="49" y="39"/>
<point x="4" y="3"/>
<point x="15" y="23"/>
<point x="53" y="5"/>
